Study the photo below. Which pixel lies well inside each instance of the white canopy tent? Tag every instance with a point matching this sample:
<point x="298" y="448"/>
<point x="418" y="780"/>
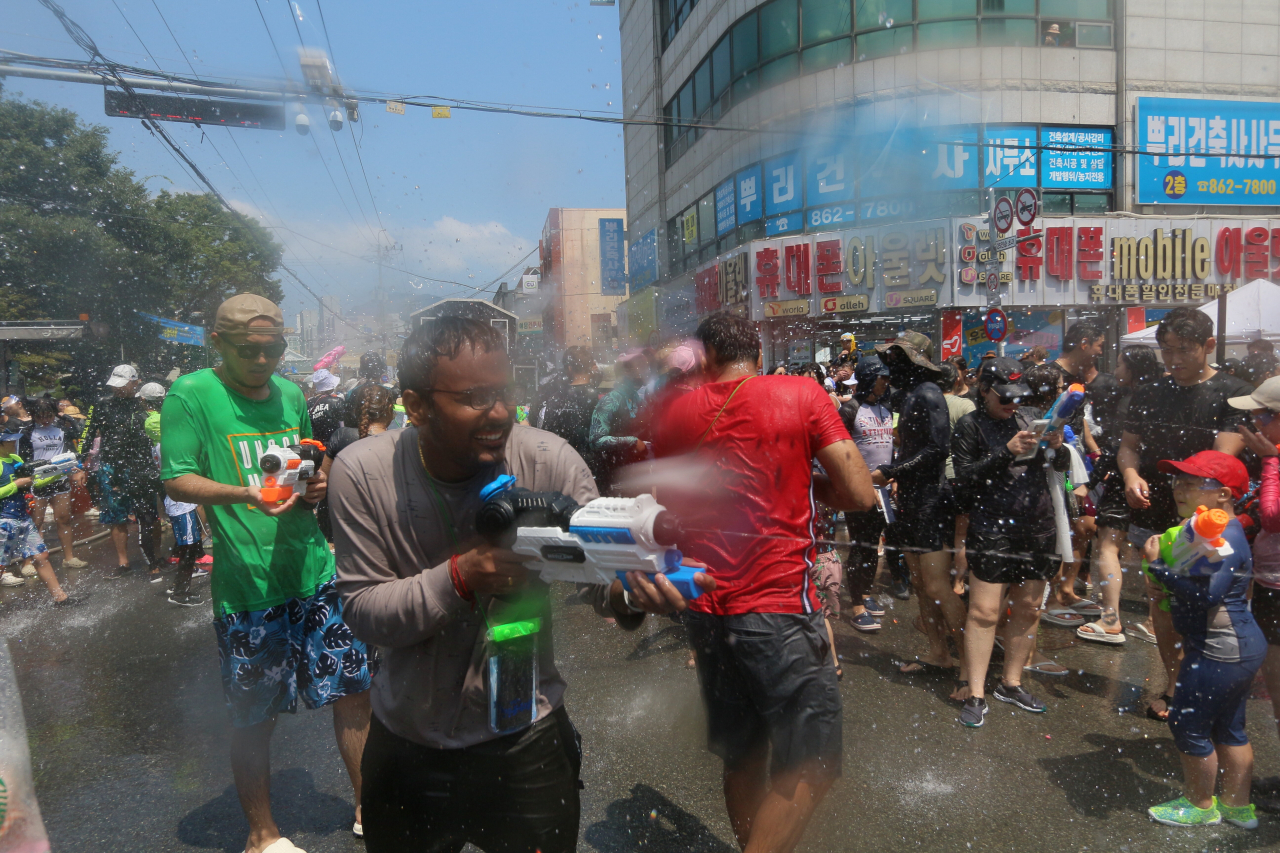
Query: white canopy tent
<point x="1253" y="313"/>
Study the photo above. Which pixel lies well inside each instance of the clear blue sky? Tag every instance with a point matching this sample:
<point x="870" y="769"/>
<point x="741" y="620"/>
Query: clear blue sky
<point x="466" y="196"/>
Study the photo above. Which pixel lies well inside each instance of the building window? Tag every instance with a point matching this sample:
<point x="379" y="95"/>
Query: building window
<point x="785" y="38"/>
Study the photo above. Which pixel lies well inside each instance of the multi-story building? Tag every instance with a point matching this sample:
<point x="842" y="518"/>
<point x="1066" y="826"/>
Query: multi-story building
<point x="846" y="149"/>
<point x="583" y="277"/>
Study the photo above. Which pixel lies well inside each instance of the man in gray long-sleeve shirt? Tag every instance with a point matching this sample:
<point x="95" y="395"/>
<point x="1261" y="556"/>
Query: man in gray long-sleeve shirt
<point x="417" y="581"/>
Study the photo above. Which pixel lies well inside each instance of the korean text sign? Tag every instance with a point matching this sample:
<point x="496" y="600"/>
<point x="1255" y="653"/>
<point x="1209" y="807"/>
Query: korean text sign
<point x="175" y="332"/>
<point x="1208" y="152"/>
<point x="644" y="260"/>
<point x="613" y="275"/>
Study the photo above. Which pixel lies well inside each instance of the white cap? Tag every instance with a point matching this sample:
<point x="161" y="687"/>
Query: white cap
<point x="151" y="391"/>
<point x="122" y="376"/>
<point x="322" y="380"/>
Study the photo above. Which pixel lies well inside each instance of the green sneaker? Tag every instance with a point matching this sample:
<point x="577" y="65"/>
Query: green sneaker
<point x="1245" y="817"/>
<point x="1181" y="812"/>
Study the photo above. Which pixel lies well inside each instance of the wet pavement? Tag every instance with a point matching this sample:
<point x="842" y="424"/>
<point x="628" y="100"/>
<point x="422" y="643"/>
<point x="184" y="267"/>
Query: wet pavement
<point x="129" y="741"/>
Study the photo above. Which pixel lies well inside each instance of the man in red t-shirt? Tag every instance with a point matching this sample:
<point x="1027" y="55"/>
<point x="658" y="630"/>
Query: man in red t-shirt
<point x="764" y="660"/>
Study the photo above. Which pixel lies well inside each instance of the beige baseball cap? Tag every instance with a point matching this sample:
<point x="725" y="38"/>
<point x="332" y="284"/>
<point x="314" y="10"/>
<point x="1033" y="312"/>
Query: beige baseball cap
<point x="235" y="315"/>
<point x="1265" y="396"/>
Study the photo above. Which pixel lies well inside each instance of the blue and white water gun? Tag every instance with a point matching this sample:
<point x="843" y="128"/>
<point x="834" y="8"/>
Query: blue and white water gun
<point x="589" y="544"/>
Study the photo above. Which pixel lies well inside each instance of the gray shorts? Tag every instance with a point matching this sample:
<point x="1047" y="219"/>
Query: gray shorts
<point x="767" y="678"/>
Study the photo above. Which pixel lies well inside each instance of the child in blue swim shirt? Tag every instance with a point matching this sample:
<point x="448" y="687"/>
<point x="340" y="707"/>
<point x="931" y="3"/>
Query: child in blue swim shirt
<point x="1223" y="647"/>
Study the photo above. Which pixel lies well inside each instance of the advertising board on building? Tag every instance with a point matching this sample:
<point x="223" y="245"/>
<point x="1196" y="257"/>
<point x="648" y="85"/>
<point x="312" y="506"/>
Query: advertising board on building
<point x="529" y="326"/>
<point x="1208" y="152"/>
<point x="529" y="283"/>
<point x="613" y="271"/>
<point x="642" y="255"/>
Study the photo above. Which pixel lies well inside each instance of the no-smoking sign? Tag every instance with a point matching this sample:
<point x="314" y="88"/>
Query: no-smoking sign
<point x="1002" y="214"/>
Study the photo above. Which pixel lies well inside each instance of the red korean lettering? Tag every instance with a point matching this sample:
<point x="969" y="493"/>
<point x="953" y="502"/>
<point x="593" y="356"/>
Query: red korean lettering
<point x="768" y="273"/>
<point x="1058" y="252"/>
<point x="1227" y="252"/>
<point x="1088" y="251"/>
<point x="1257" y="263"/>
<point x="1029" y="258"/>
<point x="797" y="269"/>
<point x="828" y="266"/>
<point x="1275" y="251"/>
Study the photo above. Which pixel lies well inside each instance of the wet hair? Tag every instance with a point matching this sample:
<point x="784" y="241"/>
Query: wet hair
<point x="373" y="404"/>
<point x="1143" y="364"/>
<point x="947" y="381"/>
<point x="958" y="362"/>
<point x="1258" y="367"/>
<point x="43" y="407"/>
<point x="442" y="338"/>
<point x="733" y="338"/>
<point x="1190" y="324"/>
<point x="1085" y="330"/>
<point x="578" y="361"/>
<point x="1043" y="380"/>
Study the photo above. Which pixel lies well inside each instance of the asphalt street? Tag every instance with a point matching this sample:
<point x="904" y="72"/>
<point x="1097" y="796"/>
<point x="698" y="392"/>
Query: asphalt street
<point x="128" y="737"/>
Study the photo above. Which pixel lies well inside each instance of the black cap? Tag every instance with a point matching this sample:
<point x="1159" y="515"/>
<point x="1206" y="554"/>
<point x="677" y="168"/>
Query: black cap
<point x="1004" y="376"/>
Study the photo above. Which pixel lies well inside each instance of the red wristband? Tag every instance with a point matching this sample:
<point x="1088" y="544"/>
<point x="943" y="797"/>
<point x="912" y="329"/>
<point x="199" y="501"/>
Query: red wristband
<point x="459" y="585"/>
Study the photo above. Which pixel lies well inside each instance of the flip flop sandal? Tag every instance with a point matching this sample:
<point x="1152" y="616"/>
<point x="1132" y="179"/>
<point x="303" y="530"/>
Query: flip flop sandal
<point x="1047" y="667"/>
<point x="1063" y="617"/>
<point x="1085" y="607"/>
<point x="1142" y="632"/>
<point x="1153" y="714"/>
<point x="1096" y="632"/>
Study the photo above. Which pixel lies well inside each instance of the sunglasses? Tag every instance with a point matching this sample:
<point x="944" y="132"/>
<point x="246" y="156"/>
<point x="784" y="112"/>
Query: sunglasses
<point x="1005" y="401"/>
<point x="251" y="352"/>
<point x="481" y="399"/>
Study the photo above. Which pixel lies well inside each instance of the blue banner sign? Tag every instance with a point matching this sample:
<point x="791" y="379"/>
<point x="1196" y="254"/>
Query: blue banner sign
<point x="833" y="216"/>
<point x="750" y="195"/>
<point x="827" y="178"/>
<point x="1208" y="152"/>
<point x="950" y="159"/>
<point x="1009" y="157"/>
<point x="784" y="184"/>
<point x="613" y="274"/>
<point x="643" y="255"/>
<point x="786" y="224"/>
<point x="1075" y="157"/>
<point x="178" y="333"/>
<point x="726" y="219"/>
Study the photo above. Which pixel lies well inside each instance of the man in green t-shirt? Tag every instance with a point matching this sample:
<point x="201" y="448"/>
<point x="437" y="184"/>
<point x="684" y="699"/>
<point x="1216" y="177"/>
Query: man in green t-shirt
<point x="277" y="616"/>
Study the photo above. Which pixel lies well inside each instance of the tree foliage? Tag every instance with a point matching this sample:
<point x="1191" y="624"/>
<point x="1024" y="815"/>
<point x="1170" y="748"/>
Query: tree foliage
<point x="81" y="235"/>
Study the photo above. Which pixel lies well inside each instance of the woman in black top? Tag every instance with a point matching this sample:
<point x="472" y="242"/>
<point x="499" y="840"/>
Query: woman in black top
<point x="1012" y="538"/>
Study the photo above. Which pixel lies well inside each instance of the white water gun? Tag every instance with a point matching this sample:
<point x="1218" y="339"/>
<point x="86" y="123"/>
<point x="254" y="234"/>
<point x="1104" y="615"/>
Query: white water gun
<point x="589" y="544"/>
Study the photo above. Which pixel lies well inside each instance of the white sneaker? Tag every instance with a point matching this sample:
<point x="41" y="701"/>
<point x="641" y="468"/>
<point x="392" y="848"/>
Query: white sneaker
<point x="10" y="579"/>
<point x="282" y="845"/>
<point x="73" y="563"/>
<point x="28" y="570"/>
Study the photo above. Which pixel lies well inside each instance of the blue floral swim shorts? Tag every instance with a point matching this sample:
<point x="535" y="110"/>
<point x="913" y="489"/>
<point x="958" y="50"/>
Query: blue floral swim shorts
<point x="19" y="540"/>
<point x="301" y="647"/>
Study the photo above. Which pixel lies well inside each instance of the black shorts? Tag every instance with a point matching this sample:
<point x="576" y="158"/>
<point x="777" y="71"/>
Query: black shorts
<point x="1113" y="509"/>
<point x="925" y="521"/>
<point x="53" y="490"/>
<point x="1010" y="556"/>
<point x="767" y="678"/>
<point x="517" y="793"/>
<point x="1266" y="612"/>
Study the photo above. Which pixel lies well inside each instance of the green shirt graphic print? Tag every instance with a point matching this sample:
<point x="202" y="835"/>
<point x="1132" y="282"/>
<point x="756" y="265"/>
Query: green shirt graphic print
<point x="210" y="430"/>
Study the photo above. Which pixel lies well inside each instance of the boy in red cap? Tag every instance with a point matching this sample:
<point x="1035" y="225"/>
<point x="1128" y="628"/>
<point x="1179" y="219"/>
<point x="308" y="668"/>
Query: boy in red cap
<point x="1223" y="647"/>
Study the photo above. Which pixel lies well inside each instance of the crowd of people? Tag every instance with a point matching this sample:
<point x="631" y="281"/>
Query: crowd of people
<point x="369" y="590"/>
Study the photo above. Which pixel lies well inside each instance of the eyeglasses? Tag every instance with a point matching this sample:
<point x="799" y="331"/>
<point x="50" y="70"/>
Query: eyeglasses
<point x="481" y="399"/>
<point x="1004" y="401"/>
<point x="1191" y="481"/>
<point x="250" y="352"/>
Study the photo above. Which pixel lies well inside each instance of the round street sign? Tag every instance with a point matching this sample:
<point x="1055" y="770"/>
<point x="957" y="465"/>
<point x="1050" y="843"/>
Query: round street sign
<point x="1026" y="206"/>
<point x="993" y="281"/>
<point x="997" y="325"/>
<point x="1002" y="214"/>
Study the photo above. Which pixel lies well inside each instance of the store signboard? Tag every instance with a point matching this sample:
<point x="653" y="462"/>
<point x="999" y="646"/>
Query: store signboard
<point x="1026" y="329"/>
<point x="529" y="326"/>
<point x="1203" y="152"/>
<point x="787" y="308"/>
<point x="1112" y="261"/>
<point x="613" y="269"/>
<point x="1075" y="157"/>
<point x="783" y="184"/>
<point x="788" y="223"/>
<point x="950" y="158"/>
<point x="1009" y="157"/>
<point x="726" y="214"/>
<point x="827" y="179"/>
<point x="844" y="304"/>
<point x="750" y="194"/>
<point x="643" y="257"/>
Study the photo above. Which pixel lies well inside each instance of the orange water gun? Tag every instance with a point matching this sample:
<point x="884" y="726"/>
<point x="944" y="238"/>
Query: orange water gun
<point x="287" y="470"/>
